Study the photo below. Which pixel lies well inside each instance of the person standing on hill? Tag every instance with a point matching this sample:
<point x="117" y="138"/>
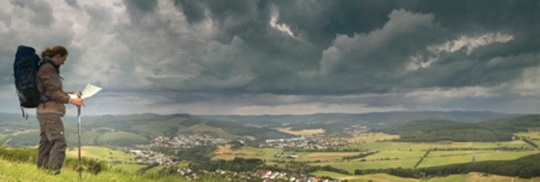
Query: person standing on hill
<point x="52" y="142"/>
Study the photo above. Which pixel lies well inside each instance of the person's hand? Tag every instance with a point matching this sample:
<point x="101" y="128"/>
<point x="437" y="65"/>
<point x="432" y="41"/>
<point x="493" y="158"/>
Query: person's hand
<point x="77" y="101"/>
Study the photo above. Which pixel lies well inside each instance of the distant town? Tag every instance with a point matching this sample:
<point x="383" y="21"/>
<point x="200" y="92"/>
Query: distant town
<point x="144" y="154"/>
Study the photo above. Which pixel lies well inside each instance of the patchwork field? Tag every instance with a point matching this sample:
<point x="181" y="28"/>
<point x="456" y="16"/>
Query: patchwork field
<point x="301" y="132"/>
<point x="384" y="164"/>
<point x="101" y="153"/>
<point x="325" y="156"/>
<point x="388" y="155"/>
<point x="225" y="152"/>
<point x="119" y="159"/>
<point x="372" y="137"/>
<point x="400" y="146"/>
<point x="395" y="155"/>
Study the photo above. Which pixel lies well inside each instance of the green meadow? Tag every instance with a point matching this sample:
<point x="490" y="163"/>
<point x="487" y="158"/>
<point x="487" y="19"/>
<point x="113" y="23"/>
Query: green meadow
<point x="390" y="154"/>
<point x="101" y="153"/>
<point x="27" y="172"/>
<point x="374" y="146"/>
<point x="380" y="177"/>
<point x="353" y="165"/>
<point x="116" y="158"/>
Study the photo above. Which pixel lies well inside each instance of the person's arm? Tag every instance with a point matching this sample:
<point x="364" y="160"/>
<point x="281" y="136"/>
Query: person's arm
<point x="51" y="84"/>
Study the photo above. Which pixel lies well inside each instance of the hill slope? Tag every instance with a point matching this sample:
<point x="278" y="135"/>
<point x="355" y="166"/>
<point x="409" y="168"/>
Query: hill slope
<point x="440" y="130"/>
<point x="336" y="123"/>
<point x="128" y="130"/>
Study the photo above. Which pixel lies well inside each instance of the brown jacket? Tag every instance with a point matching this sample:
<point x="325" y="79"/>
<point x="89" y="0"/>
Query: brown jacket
<point x="50" y="82"/>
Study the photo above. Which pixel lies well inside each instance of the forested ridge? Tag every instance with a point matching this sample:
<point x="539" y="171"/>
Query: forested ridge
<point x="444" y="130"/>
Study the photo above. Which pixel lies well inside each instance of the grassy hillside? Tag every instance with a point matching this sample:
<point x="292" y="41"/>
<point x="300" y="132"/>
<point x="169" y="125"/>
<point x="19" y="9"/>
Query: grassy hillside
<point x="417" y="125"/>
<point x="98" y="164"/>
<point x="129" y="130"/>
<point x="20" y="171"/>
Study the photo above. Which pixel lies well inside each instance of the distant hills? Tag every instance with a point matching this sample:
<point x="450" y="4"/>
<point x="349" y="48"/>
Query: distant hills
<point x="444" y="130"/>
<point x="337" y="123"/>
<point x="127" y="130"/>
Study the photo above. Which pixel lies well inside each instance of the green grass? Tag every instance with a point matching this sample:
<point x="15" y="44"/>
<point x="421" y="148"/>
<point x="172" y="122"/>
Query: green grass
<point x="487" y="156"/>
<point x="22" y="172"/>
<point x="373" y="137"/>
<point x="503" y="155"/>
<point x="450" y="178"/>
<point x="104" y="137"/>
<point x="224" y="152"/>
<point x="531" y="135"/>
<point x="405" y="146"/>
<point x="396" y="154"/>
<point x="377" y="178"/>
<point x="104" y="154"/>
<point x="457" y="153"/>
<point x="101" y="153"/>
<point x="438" y="161"/>
<point x="203" y="128"/>
<point x="327" y="173"/>
<point x="534" y="136"/>
<point x="322" y="156"/>
<point x="351" y="166"/>
<point x="131" y="168"/>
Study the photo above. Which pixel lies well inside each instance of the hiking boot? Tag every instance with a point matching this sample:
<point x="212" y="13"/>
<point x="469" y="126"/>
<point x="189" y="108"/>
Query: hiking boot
<point x="54" y="172"/>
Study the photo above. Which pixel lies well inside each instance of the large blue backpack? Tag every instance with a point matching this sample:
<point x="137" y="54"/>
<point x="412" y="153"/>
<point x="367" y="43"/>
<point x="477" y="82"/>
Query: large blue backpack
<point x="25" y="68"/>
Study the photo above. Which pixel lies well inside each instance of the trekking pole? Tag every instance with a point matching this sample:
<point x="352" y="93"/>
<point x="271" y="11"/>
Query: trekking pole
<point x="79" y="126"/>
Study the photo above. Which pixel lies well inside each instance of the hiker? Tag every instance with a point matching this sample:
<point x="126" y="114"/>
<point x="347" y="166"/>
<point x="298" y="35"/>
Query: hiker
<point x="52" y="142"/>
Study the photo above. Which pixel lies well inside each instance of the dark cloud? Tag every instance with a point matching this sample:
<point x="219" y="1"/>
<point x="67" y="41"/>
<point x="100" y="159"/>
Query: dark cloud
<point x="5" y="18"/>
<point x="100" y="16"/>
<point x="73" y="3"/>
<point x="194" y="10"/>
<point x="205" y="55"/>
<point x="374" y="45"/>
<point x="139" y="8"/>
<point x="42" y="11"/>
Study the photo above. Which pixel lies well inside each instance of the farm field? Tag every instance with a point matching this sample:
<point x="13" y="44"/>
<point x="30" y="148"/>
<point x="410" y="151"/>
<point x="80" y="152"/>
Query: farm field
<point x="118" y="159"/>
<point x="491" y="156"/>
<point x="301" y="132"/>
<point x="101" y="153"/>
<point x="384" y="164"/>
<point x="533" y="135"/>
<point x="470" y="177"/>
<point x="372" y="137"/>
<point x="365" y="178"/>
<point x="390" y="154"/>
<point x="226" y="153"/>
<point x="374" y="146"/>
<point x="324" y="156"/>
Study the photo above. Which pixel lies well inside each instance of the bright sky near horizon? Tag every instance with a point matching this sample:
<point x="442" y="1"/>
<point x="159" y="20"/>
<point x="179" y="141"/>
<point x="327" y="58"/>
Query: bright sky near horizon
<point x="284" y="57"/>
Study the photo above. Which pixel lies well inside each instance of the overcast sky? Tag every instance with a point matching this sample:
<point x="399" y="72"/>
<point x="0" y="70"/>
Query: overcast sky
<point x="284" y="57"/>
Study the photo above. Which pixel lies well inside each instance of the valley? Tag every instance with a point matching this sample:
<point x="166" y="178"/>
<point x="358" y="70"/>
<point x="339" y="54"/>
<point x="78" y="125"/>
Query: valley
<point x="357" y="151"/>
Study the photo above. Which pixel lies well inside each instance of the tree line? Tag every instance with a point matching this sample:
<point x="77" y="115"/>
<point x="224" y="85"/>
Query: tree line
<point x="525" y="167"/>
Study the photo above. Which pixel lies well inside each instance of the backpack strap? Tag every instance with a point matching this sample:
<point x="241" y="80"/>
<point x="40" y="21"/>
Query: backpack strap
<point x="24" y="115"/>
<point x="43" y="98"/>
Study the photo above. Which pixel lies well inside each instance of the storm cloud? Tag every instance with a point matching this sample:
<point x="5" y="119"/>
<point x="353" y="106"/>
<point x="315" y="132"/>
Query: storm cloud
<point x="284" y="57"/>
